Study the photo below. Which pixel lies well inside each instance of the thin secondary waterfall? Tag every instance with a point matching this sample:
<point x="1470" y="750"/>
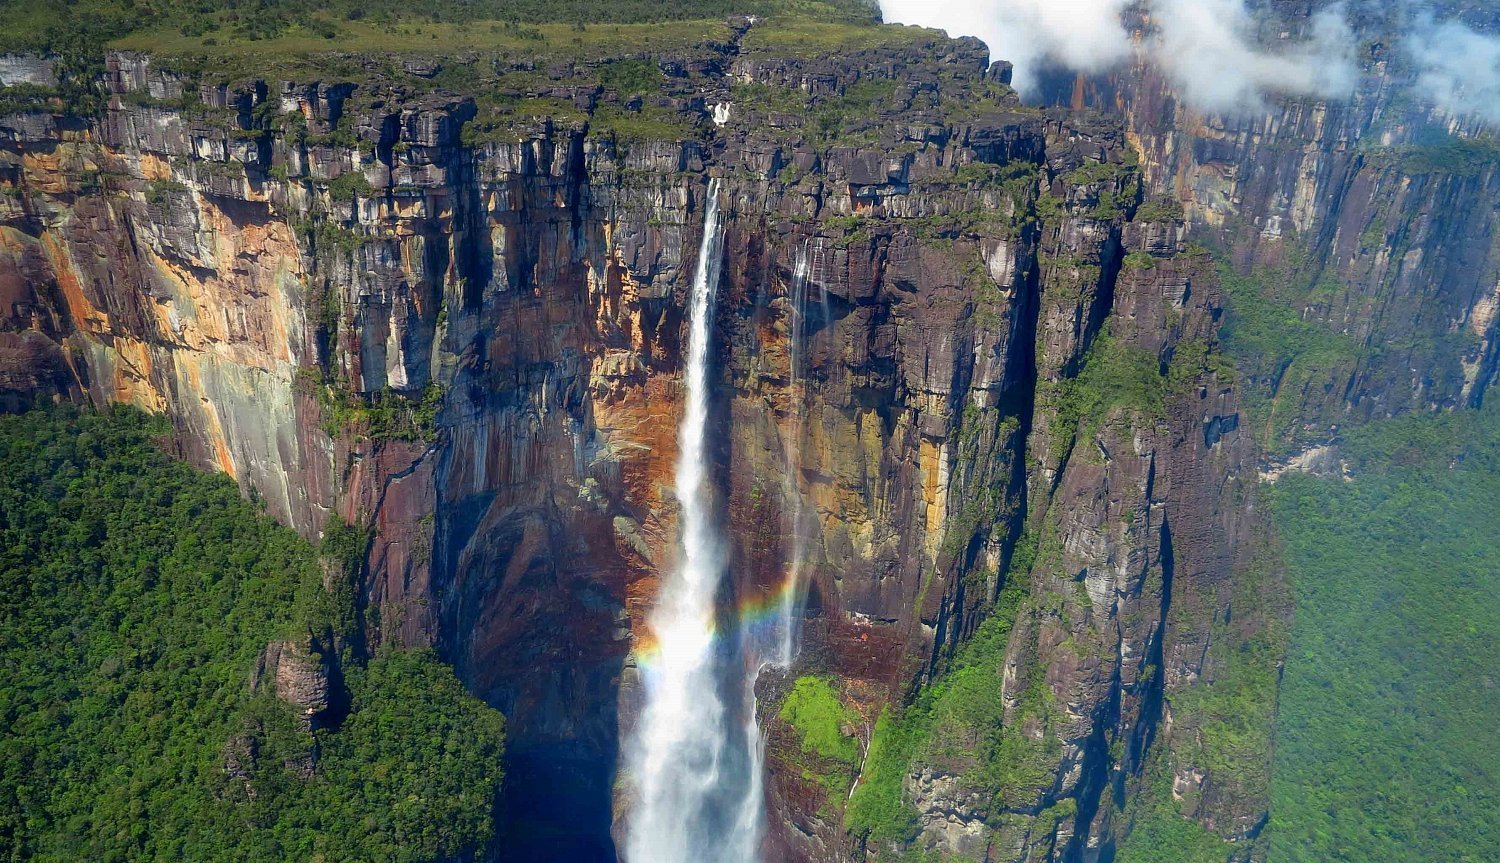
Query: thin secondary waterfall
<point x="696" y="759"/>
<point x="797" y="395"/>
<point x="759" y="654"/>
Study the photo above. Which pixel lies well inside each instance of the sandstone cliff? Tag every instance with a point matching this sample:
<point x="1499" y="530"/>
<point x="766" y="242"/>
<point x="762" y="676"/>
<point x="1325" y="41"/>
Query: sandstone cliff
<point x="1361" y="216"/>
<point x="969" y="340"/>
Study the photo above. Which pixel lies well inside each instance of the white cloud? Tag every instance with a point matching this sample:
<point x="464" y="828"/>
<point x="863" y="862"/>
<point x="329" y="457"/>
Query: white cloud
<point x="1208" y="50"/>
<point x="1083" y="34"/>
<point x="1458" y="69"/>
<point x="1206" y="47"/>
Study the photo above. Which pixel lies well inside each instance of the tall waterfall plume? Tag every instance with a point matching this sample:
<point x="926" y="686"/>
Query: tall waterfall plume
<point x="695" y="754"/>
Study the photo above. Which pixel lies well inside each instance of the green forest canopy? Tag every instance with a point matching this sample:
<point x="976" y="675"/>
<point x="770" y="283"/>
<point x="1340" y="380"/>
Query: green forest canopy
<point x="136" y="594"/>
<point x="1385" y="746"/>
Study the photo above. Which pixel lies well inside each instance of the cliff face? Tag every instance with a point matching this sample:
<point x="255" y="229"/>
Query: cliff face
<point x="206" y="261"/>
<point x="1359" y="214"/>
<point x="360" y="297"/>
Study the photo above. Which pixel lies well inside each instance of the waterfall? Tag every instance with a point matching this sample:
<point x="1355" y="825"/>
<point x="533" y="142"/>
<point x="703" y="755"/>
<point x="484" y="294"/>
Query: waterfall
<point x="696" y="756"/>
<point x="827" y="320"/>
<point x="758" y="654"/>
<point x="797" y="399"/>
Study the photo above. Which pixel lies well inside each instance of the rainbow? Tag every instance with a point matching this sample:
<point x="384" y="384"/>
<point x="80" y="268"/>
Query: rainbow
<point x="758" y="619"/>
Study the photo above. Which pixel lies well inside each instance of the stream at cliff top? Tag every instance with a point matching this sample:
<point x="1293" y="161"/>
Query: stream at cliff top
<point x="695" y="757"/>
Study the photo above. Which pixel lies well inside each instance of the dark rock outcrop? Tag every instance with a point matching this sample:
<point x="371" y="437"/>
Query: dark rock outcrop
<point x="295" y="674"/>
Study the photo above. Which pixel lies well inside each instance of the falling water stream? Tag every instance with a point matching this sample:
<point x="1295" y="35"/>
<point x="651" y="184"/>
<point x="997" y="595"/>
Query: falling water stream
<point x="786" y="629"/>
<point x="696" y="758"/>
<point x="695" y="755"/>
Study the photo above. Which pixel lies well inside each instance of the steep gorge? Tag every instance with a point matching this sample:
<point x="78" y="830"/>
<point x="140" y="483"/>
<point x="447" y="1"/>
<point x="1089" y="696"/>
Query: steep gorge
<point x="1009" y="391"/>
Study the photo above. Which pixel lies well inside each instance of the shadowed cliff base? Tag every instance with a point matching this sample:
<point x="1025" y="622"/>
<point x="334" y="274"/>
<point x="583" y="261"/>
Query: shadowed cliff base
<point x="556" y="806"/>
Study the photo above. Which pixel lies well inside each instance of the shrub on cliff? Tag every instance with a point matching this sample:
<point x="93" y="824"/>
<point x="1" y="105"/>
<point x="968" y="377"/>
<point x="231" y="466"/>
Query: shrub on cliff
<point x="957" y="723"/>
<point x="136" y="598"/>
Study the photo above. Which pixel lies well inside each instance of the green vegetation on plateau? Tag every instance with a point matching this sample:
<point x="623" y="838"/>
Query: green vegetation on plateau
<point x="135" y="596"/>
<point x="490" y="50"/>
<point x="83" y="26"/>
<point x="1385" y="748"/>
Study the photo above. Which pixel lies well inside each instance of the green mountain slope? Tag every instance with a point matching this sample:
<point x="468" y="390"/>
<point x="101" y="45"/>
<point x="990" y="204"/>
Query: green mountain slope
<point x="136" y="595"/>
